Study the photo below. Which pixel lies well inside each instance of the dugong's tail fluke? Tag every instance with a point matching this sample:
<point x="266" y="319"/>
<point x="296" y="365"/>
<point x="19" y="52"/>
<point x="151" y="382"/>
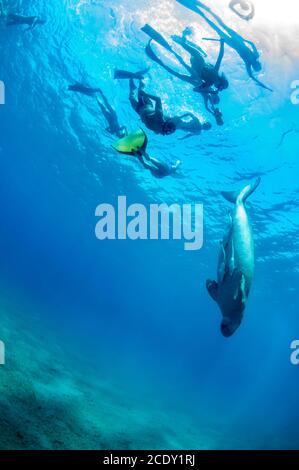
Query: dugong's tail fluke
<point x="241" y="196"/>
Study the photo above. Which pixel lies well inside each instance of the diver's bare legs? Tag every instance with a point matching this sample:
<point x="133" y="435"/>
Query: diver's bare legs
<point x="186" y="78"/>
<point x="106" y="102"/>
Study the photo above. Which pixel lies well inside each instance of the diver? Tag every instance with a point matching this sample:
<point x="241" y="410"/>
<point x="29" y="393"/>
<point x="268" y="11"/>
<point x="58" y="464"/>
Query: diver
<point x="246" y="49"/>
<point x="149" y="107"/>
<point x="31" y="21"/>
<point x="135" y="144"/>
<point x="109" y="113"/>
<point x="157" y="168"/>
<point x="210" y="93"/>
<point x="238" y="5"/>
<point x="202" y="75"/>
<point x="191" y="125"/>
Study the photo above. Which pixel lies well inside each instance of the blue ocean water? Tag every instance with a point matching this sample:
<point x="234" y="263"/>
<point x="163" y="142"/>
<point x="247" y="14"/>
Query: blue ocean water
<point x="120" y="338"/>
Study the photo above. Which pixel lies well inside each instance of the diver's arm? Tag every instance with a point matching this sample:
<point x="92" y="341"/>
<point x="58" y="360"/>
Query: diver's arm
<point x="261" y="84"/>
<point x="220" y="56"/>
<point x="208" y="105"/>
<point x="186" y="137"/>
<point x="157" y="100"/>
<point x="256" y="80"/>
<point x="205" y="90"/>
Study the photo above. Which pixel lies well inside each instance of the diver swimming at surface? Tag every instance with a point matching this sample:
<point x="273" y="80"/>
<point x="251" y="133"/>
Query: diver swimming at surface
<point x="109" y="113"/>
<point x="148" y="107"/>
<point x="158" y="168"/>
<point x="244" y="5"/>
<point x="245" y="48"/>
<point x="135" y="144"/>
<point x="204" y="77"/>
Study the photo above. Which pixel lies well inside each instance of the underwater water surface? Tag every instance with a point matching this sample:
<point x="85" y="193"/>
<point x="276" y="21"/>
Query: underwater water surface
<point x="117" y="344"/>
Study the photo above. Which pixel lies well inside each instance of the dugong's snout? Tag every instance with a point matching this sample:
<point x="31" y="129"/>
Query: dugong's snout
<point x="228" y="327"/>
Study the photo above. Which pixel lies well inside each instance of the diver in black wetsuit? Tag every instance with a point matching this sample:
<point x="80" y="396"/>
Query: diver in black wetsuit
<point x="114" y="128"/>
<point x="210" y="95"/>
<point x="157" y="168"/>
<point x="150" y="109"/>
<point x="246" y="49"/>
<point x="203" y="76"/>
<point x="31" y="21"/>
<point x="244" y="5"/>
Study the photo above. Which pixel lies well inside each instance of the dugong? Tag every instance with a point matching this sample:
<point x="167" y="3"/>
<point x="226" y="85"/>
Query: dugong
<point x="236" y="263"/>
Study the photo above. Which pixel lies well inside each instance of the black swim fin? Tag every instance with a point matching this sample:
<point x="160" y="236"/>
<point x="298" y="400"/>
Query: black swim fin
<point x="153" y="34"/>
<point x="124" y="75"/>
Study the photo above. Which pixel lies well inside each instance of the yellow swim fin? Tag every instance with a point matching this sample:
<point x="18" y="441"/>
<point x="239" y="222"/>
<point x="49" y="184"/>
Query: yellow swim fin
<point x="131" y="143"/>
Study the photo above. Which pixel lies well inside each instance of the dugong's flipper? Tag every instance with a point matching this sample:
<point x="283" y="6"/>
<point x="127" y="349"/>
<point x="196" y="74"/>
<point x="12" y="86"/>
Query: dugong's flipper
<point x="212" y="287"/>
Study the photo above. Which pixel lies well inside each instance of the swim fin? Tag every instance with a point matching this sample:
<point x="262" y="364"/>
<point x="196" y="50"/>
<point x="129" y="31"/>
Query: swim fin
<point x="153" y="34"/>
<point x="124" y="75"/>
<point x="132" y="143"/>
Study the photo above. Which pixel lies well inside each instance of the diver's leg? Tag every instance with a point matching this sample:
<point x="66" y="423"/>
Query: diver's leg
<point x="132" y="96"/>
<point x="161" y="166"/>
<point x="187" y="45"/>
<point x="106" y="102"/>
<point x="231" y="32"/>
<point x="186" y="78"/>
<point x="197" y="9"/>
<point x="104" y="110"/>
